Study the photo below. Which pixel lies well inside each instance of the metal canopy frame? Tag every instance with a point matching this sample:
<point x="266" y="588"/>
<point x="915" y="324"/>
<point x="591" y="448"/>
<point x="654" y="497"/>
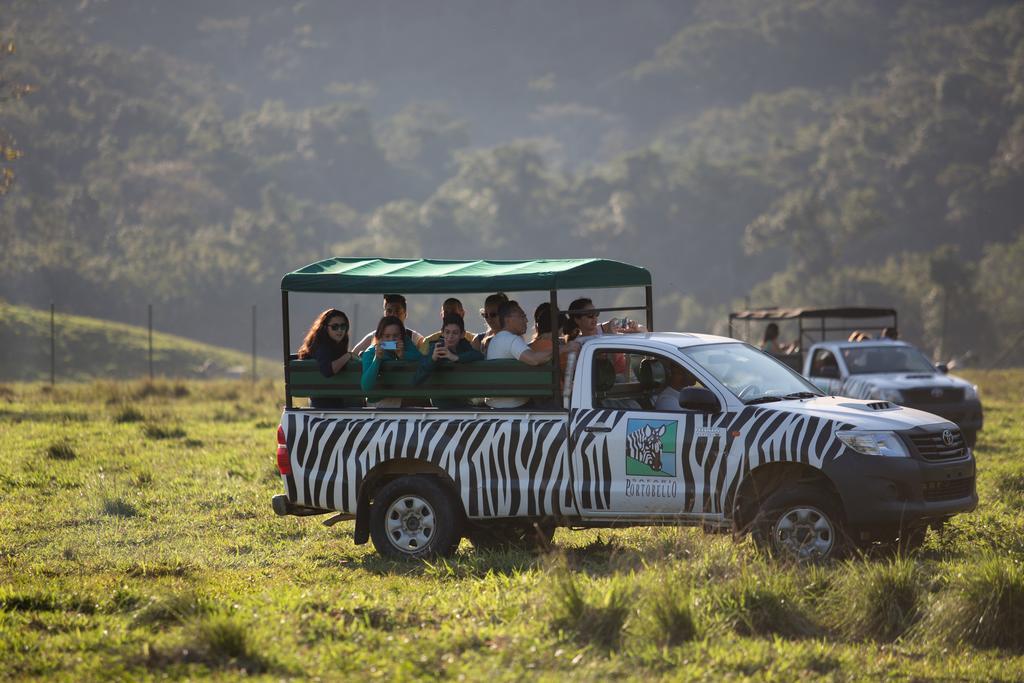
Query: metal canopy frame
<point x="571" y="274"/>
<point x="821" y="315"/>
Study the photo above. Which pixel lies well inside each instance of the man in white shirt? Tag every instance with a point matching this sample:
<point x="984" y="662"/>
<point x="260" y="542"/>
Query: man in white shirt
<point x="678" y="379"/>
<point x="394" y="304"/>
<point x="509" y="343"/>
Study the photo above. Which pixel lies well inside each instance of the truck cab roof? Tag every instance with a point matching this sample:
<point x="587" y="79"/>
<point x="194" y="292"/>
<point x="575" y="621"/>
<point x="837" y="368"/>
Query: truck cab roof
<point x="838" y="345"/>
<point x="660" y="340"/>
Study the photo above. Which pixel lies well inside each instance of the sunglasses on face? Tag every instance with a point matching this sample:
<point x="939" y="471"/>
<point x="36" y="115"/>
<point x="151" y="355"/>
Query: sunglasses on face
<point x="338" y="327"/>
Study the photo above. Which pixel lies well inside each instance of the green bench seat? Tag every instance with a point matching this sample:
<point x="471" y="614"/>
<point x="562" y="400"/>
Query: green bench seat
<point x="482" y="379"/>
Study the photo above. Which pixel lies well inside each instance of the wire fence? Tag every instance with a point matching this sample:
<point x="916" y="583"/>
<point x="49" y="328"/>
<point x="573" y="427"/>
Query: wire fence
<point x="73" y="352"/>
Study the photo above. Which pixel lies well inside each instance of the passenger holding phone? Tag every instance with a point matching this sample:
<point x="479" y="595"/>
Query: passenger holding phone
<point x="451" y="347"/>
<point x="391" y="342"/>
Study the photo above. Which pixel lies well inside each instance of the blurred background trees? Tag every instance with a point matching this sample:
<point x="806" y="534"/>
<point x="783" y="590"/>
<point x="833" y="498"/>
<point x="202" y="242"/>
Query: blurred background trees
<point x="789" y="153"/>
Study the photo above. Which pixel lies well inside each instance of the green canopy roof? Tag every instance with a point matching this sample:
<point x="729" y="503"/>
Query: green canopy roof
<point x="431" y="276"/>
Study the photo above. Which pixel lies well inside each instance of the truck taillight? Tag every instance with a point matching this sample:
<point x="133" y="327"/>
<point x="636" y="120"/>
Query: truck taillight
<point x="284" y="463"/>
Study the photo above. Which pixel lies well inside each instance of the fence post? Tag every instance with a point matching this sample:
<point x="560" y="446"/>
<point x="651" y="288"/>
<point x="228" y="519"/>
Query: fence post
<point x="254" y="343"/>
<point x="53" y="347"/>
<point x="149" y="316"/>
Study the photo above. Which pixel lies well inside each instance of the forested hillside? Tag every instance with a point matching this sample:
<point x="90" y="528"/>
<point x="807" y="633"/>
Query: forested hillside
<point x="787" y="151"/>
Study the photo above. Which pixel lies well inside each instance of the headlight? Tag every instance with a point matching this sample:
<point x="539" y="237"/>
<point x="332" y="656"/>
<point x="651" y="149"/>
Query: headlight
<point x="874" y="443"/>
<point x="890" y="395"/>
<point x="971" y="392"/>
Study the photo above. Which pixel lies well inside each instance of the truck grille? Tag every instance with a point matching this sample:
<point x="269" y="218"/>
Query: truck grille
<point x="948" y="490"/>
<point x="933" y="446"/>
<point x="926" y="395"/>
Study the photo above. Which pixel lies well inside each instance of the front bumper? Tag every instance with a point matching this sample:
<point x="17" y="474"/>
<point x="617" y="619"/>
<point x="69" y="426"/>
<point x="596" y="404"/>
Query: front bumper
<point x="967" y="415"/>
<point x="901" y="492"/>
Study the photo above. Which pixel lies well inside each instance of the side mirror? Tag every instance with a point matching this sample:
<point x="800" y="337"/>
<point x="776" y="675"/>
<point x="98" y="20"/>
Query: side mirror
<point x="943" y="368"/>
<point x="698" y="399"/>
<point x="828" y="372"/>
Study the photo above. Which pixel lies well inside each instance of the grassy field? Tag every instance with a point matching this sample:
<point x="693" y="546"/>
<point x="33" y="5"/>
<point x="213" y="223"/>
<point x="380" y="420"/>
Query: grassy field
<point x="137" y="542"/>
<point x="90" y="347"/>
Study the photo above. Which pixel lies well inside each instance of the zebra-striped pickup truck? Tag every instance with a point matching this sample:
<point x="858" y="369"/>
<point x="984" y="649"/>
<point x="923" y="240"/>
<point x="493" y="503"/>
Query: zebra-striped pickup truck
<point x="658" y="429"/>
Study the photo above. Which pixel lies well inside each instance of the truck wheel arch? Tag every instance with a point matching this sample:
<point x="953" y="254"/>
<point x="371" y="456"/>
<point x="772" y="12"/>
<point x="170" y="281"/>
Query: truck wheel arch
<point x="762" y="481"/>
<point x="385" y="472"/>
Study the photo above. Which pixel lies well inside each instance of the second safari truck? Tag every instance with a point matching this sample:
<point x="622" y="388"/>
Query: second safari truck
<point x="746" y="445"/>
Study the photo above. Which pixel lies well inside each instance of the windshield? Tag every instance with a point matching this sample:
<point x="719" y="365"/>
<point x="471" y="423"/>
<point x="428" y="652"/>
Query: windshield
<point x="868" y="359"/>
<point x="753" y="376"/>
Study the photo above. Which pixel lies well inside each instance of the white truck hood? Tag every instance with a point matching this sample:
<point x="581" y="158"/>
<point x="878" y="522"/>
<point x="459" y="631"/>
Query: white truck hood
<point x="907" y="380"/>
<point x="857" y="413"/>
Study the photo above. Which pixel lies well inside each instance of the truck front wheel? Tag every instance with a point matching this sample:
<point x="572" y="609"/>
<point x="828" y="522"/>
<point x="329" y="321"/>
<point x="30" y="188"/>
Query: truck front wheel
<point x="414" y="517"/>
<point x="799" y="523"/>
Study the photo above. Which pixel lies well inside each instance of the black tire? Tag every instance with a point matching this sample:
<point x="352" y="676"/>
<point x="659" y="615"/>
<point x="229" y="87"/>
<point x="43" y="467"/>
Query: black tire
<point x="970" y="437"/>
<point x="415" y="517"/>
<point x="800" y="523"/>
<point x="508" y="535"/>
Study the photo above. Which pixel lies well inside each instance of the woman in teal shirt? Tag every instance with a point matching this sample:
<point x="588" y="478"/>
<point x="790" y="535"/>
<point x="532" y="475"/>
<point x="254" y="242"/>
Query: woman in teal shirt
<point x="390" y="342"/>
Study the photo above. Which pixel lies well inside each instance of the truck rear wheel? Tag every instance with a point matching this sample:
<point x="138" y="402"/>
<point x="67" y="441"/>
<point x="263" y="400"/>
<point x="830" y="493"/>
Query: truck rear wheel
<point x="799" y="523"/>
<point x="414" y="517"/>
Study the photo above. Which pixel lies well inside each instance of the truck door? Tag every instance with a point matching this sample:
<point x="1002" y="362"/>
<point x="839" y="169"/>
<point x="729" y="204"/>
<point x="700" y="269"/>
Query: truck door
<point x="825" y="373"/>
<point x="635" y="451"/>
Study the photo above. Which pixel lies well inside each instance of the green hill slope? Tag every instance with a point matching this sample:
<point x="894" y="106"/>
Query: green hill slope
<point x="90" y="348"/>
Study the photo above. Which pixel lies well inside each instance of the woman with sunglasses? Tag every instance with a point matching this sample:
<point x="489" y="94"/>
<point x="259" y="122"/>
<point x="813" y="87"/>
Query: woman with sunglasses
<point x="583" y="324"/>
<point x="490" y="315"/>
<point x="326" y="342"/>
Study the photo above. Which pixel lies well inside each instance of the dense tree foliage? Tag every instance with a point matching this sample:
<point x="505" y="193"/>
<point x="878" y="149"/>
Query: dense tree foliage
<point x="808" y="152"/>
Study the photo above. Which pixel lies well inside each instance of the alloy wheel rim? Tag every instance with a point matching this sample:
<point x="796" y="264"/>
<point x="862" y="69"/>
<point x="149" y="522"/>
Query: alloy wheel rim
<point x="410" y="523"/>
<point x="804" y="533"/>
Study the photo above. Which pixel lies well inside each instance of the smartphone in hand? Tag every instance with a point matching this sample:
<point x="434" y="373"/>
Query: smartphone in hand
<point x="389" y="345"/>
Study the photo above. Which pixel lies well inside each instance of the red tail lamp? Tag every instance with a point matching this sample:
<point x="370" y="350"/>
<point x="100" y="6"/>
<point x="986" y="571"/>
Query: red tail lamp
<point x="284" y="462"/>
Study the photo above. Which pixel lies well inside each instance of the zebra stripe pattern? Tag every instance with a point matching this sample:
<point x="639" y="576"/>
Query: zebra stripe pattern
<point x="520" y="467"/>
<point x="645" y="445"/>
<point x="856" y="388"/>
<point x="502" y="466"/>
<point x="752" y="437"/>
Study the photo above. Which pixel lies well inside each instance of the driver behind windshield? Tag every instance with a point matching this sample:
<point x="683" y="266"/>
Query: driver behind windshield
<point x="678" y="379"/>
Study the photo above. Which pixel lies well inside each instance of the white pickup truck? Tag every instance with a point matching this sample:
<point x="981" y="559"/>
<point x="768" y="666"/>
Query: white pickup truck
<point x="654" y="429"/>
<point x="896" y="372"/>
<point x="879" y="369"/>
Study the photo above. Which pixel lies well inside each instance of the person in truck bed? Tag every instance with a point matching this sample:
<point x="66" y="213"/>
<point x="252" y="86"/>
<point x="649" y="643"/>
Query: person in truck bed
<point x="450" y="306"/>
<point x="509" y="343"/>
<point x="394" y="306"/>
<point x="451" y="347"/>
<point x="391" y="342"/>
<point x="490" y="314"/>
<point x="326" y="342"/>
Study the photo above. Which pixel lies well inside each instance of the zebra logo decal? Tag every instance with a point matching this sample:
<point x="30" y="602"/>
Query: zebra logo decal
<point x="651" y="448"/>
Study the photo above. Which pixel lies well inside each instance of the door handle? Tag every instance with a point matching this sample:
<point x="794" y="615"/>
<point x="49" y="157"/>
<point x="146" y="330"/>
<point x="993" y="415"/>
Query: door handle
<point x="597" y="429"/>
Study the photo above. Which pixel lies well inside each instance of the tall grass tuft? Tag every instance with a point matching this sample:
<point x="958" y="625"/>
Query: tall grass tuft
<point x="61" y="450"/>
<point x="672" y="613"/>
<point x="753" y="605"/>
<point x="983" y="606"/>
<point x="221" y="639"/>
<point x="153" y="430"/>
<point x="595" y="616"/>
<point x="171" y="608"/>
<point x="118" y="507"/>
<point x="128" y="414"/>
<point x="877" y="601"/>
